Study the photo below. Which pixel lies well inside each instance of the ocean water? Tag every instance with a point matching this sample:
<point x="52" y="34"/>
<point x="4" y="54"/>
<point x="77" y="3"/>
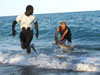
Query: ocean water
<point x="50" y="59"/>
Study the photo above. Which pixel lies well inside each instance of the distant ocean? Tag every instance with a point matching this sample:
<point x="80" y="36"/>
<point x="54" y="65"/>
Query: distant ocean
<point x="49" y="59"/>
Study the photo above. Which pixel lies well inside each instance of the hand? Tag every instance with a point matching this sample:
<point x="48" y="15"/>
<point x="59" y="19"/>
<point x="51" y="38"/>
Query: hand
<point x="57" y="42"/>
<point x="37" y="35"/>
<point x="14" y="32"/>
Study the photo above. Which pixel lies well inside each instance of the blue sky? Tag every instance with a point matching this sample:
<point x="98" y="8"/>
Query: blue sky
<point x="16" y="7"/>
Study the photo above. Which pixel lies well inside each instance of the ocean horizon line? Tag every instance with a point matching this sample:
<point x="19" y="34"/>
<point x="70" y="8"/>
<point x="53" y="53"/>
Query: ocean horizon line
<point x="52" y="13"/>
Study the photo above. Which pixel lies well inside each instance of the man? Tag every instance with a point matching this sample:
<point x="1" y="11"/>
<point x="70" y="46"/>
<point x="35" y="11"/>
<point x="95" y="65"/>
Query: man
<point x="65" y="34"/>
<point x="26" y="34"/>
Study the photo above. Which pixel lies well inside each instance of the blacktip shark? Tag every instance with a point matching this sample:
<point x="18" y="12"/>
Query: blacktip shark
<point x="65" y="48"/>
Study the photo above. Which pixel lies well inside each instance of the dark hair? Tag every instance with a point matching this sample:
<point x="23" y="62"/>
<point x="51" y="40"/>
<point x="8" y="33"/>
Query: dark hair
<point x="29" y="7"/>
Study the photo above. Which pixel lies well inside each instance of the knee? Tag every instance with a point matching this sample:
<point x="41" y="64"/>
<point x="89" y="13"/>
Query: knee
<point x="23" y="46"/>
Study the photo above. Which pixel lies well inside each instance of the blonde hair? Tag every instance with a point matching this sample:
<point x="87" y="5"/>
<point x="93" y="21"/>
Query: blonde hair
<point x="63" y="22"/>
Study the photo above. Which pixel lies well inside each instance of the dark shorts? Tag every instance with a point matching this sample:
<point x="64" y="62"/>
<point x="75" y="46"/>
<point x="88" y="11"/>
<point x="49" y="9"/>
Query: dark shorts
<point x="68" y="37"/>
<point x="26" y="37"/>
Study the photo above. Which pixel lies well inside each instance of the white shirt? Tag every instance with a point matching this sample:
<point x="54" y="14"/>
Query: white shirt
<point x="25" y="21"/>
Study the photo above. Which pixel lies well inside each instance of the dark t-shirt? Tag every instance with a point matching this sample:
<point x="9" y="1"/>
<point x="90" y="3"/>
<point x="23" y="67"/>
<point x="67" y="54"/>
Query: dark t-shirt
<point x="68" y="35"/>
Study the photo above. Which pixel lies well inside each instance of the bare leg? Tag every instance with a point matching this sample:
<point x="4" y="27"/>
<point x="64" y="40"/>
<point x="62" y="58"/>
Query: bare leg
<point x="32" y="46"/>
<point x="23" y="45"/>
<point x="22" y="40"/>
<point x="28" y="41"/>
<point x="28" y="50"/>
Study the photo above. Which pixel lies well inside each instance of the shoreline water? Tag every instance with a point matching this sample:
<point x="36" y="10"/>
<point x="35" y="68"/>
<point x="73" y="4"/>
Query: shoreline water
<point x="16" y="70"/>
<point x="49" y="59"/>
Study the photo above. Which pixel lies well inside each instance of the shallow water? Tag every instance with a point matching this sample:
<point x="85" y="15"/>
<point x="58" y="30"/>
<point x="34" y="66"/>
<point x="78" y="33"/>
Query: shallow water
<point x="49" y="59"/>
<point x="16" y="70"/>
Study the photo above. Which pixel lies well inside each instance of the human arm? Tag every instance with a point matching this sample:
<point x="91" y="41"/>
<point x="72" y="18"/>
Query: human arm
<point x="18" y="19"/>
<point x="64" y="35"/>
<point x="36" y="28"/>
<point x="13" y="28"/>
<point x="56" y="39"/>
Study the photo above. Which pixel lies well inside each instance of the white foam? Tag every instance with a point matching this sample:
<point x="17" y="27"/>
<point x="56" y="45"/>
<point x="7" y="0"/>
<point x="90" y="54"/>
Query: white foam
<point x="52" y="61"/>
<point x="86" y="67"/>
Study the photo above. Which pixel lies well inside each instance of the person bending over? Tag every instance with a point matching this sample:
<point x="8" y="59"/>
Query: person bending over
<point x="65" y="32"/>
